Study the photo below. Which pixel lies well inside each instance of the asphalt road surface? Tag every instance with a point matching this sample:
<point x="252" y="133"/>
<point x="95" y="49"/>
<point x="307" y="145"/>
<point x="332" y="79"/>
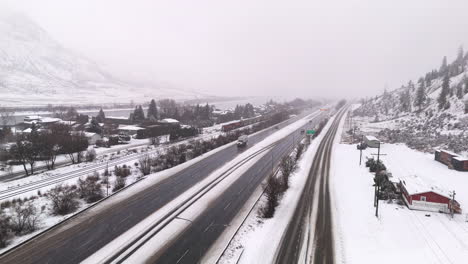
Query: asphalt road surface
<point x="192" y="244"/>
<point x="75" y="240"/>
<point x="318" y="239"/>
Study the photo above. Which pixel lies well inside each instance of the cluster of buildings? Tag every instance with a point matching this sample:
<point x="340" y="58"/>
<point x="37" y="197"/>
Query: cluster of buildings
<point x="452" y="160"/>
<point x="118" y="127"/>
<point x="421" y="195"/>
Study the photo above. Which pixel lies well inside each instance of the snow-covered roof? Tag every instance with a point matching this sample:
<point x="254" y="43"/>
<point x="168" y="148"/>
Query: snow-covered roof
<point x="50" y="120"/>
<point x="460" y="158"/>
<point x="32" y="117"/>
<point x="69" y="123"/>
<point x="130" y="128"/>
<point x="117" y="117"/>
<point x="90" y="134"/>
<point x="448" y="152"/>
<point x="415" y="185"/>
<point x="371" y="138"/>
<point x="27" y="130"/>
<point x="169" y="120"/>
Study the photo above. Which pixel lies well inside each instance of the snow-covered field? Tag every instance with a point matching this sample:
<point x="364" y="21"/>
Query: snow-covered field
<point x="399" y="235"/>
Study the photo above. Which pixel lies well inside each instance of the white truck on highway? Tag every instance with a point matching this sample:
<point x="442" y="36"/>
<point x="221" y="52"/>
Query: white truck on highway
<point x="242" y="141"/>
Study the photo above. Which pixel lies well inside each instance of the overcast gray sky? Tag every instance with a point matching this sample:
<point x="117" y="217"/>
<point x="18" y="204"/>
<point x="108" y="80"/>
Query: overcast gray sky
<point x="257" y="47"/>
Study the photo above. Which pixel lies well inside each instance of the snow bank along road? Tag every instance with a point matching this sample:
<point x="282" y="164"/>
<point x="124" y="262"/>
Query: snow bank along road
<point x="75" y="240"/>
<point x="309" y="236"/>
<point x="188" y="242"/>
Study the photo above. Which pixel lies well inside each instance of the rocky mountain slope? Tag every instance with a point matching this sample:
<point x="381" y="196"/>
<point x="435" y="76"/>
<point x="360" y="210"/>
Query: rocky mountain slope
<point x="428" y="113"/>
<point x="36" y="69"/>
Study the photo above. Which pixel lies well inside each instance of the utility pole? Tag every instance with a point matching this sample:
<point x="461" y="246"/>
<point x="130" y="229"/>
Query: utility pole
<point x="360" y="150"/>
<point x="377" y="202"/>
<point x="378" y="153"/>
<point x="107" y="170"/>
<point x="452" y="203"/>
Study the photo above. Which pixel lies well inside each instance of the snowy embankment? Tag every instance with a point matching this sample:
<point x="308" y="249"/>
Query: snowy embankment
<point x="258" y="239"/>
<point x="399" y="235"/>
<point x="176" y="226"/>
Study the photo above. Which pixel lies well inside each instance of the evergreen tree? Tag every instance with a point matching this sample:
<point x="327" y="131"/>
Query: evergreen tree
<point x="461" y="54"/>
<point x="443" y="68"/>
<point x="460" y="91"/>
<point x="94" y="126"/>
<point x="152" y="110"/>
<point x="442" y="100"/>
<point x="138" y="114"/>
<point x="420" y="94"/>
<point x="466" y="85"/>
<point x="411" y="85"/>
<point x="101" y="117"/>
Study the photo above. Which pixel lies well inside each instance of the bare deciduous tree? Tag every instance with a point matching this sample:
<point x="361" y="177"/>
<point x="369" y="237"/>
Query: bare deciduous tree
<point x="119" y="183"/>
<point x="6" y="116"/>
<point x="273" y="189"/>
<point x="145" y="165"/>
<point x="5" y="229"/>
<point x="25" y="218"/>
<point x="64" y="199"/>
<point x="89" y="189"/>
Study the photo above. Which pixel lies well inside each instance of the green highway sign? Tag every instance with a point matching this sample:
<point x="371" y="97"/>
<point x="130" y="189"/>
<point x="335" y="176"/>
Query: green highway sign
<point x="310" y="132"/>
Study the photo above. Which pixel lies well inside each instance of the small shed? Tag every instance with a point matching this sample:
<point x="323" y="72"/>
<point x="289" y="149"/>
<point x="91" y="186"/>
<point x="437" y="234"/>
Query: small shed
<point x="419" y="195"/>
<point x="460" y="163"/>
<point x="444" y="156"/>
<point x="371" y="141"/>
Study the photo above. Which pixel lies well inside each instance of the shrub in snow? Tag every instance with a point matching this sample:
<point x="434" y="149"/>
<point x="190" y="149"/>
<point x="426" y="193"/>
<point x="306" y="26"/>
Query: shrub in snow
<point x="89" y="189"/>
<point x="273" y="189"/>
<point x="299" y="150"/>
<point x="63" y="199"/>
<point x="145" y="165"/>
<point x="5" y="204"/>
<point x="5" y="229"/>
<point x="119" y="183"/>
<point x="123" y="171"/>
<point x="287" y="165"/>
<point x="90" y="155"/>
<point x="25" y="218"/>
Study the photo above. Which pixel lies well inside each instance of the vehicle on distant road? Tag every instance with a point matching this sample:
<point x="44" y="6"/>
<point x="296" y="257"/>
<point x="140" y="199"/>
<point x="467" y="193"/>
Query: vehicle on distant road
<point x="242" y="141"/>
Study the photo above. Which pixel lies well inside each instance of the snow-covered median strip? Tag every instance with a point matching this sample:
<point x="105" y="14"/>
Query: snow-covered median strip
<point x="172" y="228"/>
<point x="258" y="239"/>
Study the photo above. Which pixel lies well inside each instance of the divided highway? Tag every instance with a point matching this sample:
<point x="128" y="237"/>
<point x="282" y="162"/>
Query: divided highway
<point x="191" y="245"/>
<point x="75" y="240"/>
<point x="309" y="236"/>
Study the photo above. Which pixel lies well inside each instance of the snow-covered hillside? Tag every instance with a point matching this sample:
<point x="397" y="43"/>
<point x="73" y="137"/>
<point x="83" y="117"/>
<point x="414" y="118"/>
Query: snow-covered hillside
<point x="35" y="69"/>
<point x="425" y="114"/>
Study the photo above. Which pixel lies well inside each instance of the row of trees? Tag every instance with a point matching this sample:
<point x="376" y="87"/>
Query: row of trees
<point x="47" y="145"/>
<point x="168" y="108"/>
<point x="276" y="185"/>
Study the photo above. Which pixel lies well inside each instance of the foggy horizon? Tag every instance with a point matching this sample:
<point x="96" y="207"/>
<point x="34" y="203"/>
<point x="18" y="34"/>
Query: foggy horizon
<point x="338" y="49"/>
